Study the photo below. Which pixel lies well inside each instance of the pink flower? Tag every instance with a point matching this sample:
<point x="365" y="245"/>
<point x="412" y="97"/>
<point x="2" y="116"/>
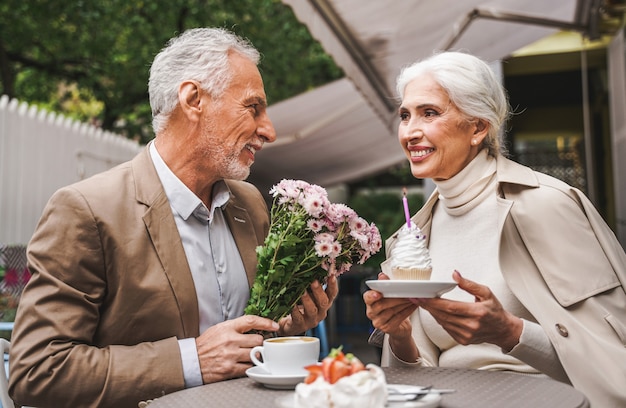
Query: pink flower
<point x="315" y="225"/>
<point x="323" y="248"/>
<point x="310" y="238"/>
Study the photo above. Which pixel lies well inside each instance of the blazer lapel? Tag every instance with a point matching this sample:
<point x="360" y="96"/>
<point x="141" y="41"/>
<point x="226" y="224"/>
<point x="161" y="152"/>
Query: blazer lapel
<point x="166" y="241"/>
<point x="241" y="227"/>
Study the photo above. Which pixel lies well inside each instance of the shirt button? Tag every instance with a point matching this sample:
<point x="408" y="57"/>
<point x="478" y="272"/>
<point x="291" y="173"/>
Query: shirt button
<point x="562" y="330"/>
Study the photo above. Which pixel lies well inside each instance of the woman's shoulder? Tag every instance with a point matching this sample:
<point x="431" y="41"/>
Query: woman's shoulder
<point x="520" y="182"/>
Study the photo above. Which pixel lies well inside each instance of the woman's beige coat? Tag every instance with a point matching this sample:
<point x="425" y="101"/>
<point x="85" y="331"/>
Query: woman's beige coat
<point x="565" y="265"/>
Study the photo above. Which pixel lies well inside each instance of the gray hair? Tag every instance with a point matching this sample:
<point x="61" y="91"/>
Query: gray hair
<point x="199" y="54"/>
<point x="471" y="85"/>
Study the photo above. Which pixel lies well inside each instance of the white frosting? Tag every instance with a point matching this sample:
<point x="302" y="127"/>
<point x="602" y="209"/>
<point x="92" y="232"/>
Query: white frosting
<point x="365" y="389"/>
<point x="410" y="250"/>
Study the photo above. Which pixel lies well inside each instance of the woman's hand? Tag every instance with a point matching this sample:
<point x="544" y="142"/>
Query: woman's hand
<point x="391" y="315"/>
<point x="484" y="321"/>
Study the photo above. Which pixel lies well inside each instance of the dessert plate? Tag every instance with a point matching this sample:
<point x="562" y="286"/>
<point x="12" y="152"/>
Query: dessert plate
<point x="279" y="382"/>
<point x="410" y="288"/>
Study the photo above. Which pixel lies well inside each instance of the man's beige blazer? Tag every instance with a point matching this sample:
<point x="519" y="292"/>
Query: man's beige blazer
<point x="111" y="291"/>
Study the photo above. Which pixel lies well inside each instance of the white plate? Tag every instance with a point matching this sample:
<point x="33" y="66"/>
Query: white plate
<point x="410" y="288"/>
<point x="279" y="382"/>
<point x="430" y="400"/>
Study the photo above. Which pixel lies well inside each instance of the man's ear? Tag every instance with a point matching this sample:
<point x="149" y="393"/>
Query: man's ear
<point x="189" y="98"/>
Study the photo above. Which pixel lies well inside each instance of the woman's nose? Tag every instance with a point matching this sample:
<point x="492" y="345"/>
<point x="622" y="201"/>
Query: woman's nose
<point x="412" y="130"/>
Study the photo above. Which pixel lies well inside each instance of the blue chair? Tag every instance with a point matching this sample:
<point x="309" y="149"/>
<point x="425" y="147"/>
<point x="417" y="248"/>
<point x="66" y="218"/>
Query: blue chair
<point x="320" y="332"/>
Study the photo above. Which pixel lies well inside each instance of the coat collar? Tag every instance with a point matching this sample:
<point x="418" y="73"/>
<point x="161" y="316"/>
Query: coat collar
<point x="511" y="172"/>
<point x="164" y="236"/>
<point x="507" y="172"/>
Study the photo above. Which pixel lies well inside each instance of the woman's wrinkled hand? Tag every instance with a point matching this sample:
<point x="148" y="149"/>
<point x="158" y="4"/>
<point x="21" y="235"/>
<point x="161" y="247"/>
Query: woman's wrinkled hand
<point x="483" y="321"/>
<point x="391" y="315"/>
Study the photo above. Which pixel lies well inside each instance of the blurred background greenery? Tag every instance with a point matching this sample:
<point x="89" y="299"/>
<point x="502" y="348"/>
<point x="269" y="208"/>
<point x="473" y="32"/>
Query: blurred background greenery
<point x="89" y="59"/>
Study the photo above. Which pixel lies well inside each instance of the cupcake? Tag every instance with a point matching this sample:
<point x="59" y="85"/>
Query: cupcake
<point x="410" y="258"/>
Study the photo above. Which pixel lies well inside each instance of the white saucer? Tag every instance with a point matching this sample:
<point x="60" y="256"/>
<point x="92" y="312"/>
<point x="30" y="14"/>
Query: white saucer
<point x="279" y="382"/>
<point x="430" y="400"/>
<point x="410" y="288"/>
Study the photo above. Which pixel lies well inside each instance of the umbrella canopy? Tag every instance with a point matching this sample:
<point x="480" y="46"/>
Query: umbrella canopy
<point x="346" y="130"/>
<point x="326" y="136"/>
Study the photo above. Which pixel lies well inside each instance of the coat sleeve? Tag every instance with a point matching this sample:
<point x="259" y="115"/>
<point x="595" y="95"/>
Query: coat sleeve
<point x="58" y="355"/>
<point x="561" y="260"/>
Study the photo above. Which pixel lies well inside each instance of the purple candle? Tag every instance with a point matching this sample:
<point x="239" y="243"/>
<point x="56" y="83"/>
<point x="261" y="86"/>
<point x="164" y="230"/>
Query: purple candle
<point x="407" y="214"/>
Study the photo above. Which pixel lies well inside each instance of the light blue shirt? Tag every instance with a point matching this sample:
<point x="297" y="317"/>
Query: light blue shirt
<point x="216" y="266"/>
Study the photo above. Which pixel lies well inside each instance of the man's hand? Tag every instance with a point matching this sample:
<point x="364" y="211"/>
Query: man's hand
<point x="224" y="349"/>
<point x="312" y="310"/>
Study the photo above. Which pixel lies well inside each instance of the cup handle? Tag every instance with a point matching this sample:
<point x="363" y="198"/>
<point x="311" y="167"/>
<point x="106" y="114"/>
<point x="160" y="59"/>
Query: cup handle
<point x="255" y="360"/>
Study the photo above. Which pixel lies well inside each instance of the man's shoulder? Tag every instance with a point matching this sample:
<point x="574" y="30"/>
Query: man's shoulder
<point x="102" y="184"/>
<point x="116" y="179"/>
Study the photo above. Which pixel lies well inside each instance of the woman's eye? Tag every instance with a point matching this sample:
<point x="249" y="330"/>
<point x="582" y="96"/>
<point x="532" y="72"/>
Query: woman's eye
<point x="429" y="112"/>
<point x="404" y="116"/>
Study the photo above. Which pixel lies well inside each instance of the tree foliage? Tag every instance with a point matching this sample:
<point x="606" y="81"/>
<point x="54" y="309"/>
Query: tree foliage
<point x="89" y="59"/>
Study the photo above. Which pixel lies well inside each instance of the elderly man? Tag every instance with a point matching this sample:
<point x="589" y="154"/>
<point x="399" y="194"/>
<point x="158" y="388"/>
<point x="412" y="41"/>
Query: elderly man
<point x="140" y="275"/>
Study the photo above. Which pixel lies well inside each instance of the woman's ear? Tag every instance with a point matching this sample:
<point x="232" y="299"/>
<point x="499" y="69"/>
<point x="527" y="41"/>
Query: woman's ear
<point x="481" y="129"/>
<point x="481" y="126"/>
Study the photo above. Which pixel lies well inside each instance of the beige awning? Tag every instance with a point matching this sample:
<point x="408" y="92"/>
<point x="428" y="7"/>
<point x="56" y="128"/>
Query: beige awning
<point x="346" y="130"/>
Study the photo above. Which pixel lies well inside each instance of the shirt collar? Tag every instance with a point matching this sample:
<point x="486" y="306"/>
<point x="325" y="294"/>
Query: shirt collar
<point x="181" y="198"/>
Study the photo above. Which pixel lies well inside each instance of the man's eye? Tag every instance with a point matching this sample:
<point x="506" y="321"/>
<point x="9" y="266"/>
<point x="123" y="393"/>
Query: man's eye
<point x="254" y="107"/>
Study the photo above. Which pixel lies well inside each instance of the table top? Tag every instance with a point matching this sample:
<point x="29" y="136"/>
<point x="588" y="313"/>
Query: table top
<point x="475" y="388"/>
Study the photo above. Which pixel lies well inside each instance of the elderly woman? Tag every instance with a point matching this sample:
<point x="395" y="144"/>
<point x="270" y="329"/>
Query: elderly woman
<point x="540" y="275"/>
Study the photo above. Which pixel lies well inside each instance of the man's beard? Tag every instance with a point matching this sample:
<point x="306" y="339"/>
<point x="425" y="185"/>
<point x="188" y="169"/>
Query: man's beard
<point x="225" y="158"/>
<point x="227" y="162"/>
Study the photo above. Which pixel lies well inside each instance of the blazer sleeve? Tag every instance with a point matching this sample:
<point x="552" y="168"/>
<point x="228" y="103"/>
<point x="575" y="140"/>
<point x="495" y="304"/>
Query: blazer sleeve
<point x="61" y="352"/>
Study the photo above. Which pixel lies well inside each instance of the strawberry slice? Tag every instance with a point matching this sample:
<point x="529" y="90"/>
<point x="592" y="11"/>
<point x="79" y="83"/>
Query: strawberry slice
<point x="315" y="371"/>
<point x="337" y="365"/>
<point x="338" y="370"/>
<point x="356" y="365"/>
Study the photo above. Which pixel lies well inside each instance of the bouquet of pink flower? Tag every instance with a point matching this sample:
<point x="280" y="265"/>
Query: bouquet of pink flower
<point x="309" y="239"/>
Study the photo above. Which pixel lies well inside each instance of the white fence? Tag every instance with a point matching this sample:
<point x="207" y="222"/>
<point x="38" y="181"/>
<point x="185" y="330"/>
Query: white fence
<point x="41" y="151"/>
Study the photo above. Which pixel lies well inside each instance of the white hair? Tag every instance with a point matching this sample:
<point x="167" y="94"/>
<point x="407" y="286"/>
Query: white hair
<point x="470" y="84"/>
<point x="199" y="54"/>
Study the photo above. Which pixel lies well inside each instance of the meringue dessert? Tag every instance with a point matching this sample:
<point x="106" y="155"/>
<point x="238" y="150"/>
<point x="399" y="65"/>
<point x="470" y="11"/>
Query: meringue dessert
<point x="342" y="381"/>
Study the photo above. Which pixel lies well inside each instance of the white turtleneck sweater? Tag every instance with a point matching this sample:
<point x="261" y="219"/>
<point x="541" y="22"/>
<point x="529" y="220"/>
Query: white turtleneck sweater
<point x="465" y="236"/>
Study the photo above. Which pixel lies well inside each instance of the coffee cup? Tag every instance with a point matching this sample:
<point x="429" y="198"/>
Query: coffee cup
<point x="287" y="355"/>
